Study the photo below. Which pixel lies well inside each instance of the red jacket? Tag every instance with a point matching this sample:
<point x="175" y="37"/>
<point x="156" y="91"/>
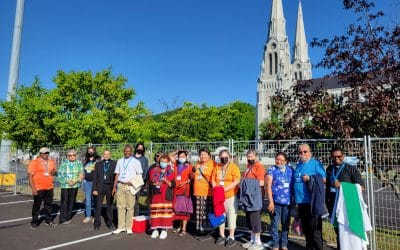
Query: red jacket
<point x="218" y="201"/>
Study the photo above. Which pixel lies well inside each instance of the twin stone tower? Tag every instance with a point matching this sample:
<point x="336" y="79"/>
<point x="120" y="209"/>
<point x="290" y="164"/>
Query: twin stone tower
<point x="280" y="71"/>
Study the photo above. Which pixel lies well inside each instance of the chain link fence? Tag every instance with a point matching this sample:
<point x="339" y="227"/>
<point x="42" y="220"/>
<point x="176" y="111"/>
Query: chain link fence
<point x="378" y="159"/>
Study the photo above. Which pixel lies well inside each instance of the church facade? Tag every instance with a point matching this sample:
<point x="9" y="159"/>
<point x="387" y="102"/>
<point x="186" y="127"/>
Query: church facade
<point x="280" y="71"/>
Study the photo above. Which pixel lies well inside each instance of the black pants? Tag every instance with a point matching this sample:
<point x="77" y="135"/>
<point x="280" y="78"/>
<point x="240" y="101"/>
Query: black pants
<point x="68" y="196"/>
<point x="107" y="192"/>
<point x="45" y="196"/>
<point x="312" y="227"/>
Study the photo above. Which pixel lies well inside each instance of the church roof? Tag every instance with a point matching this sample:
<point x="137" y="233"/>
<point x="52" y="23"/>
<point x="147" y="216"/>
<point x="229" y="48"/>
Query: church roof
<point x="324" y="83"/>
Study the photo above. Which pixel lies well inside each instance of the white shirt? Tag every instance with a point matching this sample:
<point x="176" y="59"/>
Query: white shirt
<point x="127" y="168"/>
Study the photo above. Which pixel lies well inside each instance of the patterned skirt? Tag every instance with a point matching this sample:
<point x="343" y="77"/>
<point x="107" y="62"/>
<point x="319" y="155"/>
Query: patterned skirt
<point x="203" y="207"/>
<point x="161" y="213"/>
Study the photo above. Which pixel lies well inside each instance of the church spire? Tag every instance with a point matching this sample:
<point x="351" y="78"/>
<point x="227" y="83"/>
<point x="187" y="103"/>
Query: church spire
<point x="277" y="24"/>
<point x="300" y="45"/>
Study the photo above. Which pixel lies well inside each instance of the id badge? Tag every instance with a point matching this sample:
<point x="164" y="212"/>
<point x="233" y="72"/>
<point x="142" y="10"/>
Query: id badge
<point x="105" y="177"/>
<point x="46" y="174"/>
<point x="199" y="177"/>
<point x="178" y="178"/>
<point x="221" y="183"/>
<point x="333" y="190"/>
<point x="286" y="184"/>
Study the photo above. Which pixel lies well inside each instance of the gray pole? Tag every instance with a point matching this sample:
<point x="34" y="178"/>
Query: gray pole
<point x="12" y="78"/>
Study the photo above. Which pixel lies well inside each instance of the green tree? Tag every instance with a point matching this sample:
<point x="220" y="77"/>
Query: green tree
<point x="82" y="108"/>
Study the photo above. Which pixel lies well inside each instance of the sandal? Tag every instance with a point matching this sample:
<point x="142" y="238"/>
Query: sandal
<point x="182" y="233"/>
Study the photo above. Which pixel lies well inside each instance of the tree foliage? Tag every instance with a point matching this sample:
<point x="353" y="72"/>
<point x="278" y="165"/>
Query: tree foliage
<point x="82" y="108"/>
<point x="207" y="123"/>
<point x="367" y="59"/>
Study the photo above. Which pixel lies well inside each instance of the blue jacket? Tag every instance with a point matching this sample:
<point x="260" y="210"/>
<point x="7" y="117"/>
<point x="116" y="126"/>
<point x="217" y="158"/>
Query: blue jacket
<point x="250" y="194"/>
<point x="316" y="186"/>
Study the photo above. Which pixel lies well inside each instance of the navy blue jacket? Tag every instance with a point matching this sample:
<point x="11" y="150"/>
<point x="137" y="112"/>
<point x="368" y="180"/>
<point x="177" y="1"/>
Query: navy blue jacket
<point x="316" y="186"/>
<point x="250" y="194"/>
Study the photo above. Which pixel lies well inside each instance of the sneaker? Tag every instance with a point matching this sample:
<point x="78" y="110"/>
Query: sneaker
<point x="247" y="244"/>
<point x="50" y="224"/>
<point x="129" y="231"/>
<point x="34" y="226"/>
<point x="86" y="220"/>
<point x="163" y="234"/>
<point x="66" y="222"/>
<point x="220" y="240"/>
<point x="256" y="246"/>
<point x="96" y="227"/>
<point x="230" y="242"/>
<point x="119" y="230"/>
<point x="154" y="235"/>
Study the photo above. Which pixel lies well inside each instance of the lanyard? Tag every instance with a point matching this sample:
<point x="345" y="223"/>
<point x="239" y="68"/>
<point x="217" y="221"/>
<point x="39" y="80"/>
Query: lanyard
<point x="224" y="171"/>
<point x="46" y="168"/>
<point x="335" y="177"/>
<point x="106" y="166"/>
<point x="126" y="165"/>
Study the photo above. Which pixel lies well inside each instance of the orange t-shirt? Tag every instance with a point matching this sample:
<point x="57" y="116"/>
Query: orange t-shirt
<point x="255" y="172"/>
<point x="232" y="173"/>
<point x="202" y="182"/>
<point x="42" y="179"/>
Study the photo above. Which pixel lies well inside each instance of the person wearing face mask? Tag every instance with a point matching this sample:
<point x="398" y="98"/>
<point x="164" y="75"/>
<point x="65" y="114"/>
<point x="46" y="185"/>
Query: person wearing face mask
<point x="139" y="155"/>
<point x="252" y="185"/>
<point x="183" y="170"/>
<point x="90" y="160"/>
<point x="227" y="175"/>
<point x="279" y="187"/>
<point x="162" y="178"/>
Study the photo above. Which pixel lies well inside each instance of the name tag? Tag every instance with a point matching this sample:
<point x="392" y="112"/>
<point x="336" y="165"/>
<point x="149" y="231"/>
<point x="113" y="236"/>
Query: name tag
<point x="333" y="190"/>
<point x="298" y="179"/>
<point x="199" y="177"/>
<point x="46" y="174"/>
<point x="105" y="177"/>
<point x="69" y="175"/>
<point x="178" y="178"/>
<point x="286" y="185"/>
<point x="221" y="183"/>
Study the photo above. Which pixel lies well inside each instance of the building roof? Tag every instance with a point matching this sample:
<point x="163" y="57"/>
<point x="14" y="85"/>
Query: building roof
<point x="324" y="83"/>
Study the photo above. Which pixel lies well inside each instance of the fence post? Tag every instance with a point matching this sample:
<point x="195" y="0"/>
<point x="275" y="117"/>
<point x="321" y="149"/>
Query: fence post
<point x="16" y="175"/>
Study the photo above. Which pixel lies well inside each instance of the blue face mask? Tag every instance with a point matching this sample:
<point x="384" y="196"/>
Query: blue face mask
<point x="182" y="160"/>
<point x="163" y="164"/>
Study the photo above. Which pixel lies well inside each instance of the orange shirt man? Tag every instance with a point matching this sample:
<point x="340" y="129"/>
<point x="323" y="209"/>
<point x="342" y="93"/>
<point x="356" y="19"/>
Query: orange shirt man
<point x="41" y="171"/>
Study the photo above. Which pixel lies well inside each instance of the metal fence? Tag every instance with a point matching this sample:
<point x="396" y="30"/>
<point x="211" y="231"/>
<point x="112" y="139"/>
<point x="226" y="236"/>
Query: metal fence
<point x="377" y="158"/>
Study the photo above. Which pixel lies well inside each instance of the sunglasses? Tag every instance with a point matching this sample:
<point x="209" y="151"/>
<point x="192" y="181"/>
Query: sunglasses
<point x="303" y="152"/>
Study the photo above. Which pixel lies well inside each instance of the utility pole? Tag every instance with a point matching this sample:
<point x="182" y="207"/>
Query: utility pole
<point x="13" y="78"/>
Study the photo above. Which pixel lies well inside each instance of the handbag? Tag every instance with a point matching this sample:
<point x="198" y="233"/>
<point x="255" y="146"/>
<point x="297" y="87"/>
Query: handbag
<point x="296" y="227"/>
<point x="216" y="221"/>
<point x="183" y="205"/>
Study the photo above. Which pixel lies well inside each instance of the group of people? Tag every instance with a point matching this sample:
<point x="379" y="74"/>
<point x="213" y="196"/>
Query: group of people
<point x="178" y="190"/>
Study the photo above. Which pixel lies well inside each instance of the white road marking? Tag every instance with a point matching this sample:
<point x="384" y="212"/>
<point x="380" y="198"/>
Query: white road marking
<point x="4" y="196"/>
<point x="76" y="241"/>
<point x="79" y="211"/>
<point x="14" y="202"/>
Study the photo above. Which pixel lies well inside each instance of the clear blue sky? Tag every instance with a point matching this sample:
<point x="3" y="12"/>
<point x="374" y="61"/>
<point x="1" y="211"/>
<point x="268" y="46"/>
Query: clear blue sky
<point x="203" y="51"/>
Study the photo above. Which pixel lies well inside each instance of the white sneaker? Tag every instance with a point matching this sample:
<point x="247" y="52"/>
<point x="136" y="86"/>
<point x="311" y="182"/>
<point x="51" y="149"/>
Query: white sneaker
<point x="86" y="220"/>
<point x="154" y="235"/>
<point x="129" y="231"/>
<point x="256" y="246"/>
<point x="163" y="234"/>
<point x="119" y="230"/>
<point x="247" y="244"/>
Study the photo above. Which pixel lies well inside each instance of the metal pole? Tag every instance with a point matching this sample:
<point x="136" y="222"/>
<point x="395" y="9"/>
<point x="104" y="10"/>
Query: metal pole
<point x="13" y="77"/>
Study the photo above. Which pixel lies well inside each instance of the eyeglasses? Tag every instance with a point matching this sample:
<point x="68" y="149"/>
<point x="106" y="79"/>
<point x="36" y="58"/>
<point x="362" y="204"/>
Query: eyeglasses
<point x="303" y="152"/>
<point x="71" y="155"/>
<point x="46" y="153"/>
<point x="337" y="156"/>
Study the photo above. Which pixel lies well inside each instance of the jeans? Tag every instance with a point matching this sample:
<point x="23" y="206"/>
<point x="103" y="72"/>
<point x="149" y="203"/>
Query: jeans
<point x="88" y="187"/>
<point x="280" y="215"/>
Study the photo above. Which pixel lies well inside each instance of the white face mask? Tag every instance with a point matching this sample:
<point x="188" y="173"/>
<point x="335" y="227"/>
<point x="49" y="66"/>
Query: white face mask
<point x="182" y="160"/>
<point x="281" y="166"/>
